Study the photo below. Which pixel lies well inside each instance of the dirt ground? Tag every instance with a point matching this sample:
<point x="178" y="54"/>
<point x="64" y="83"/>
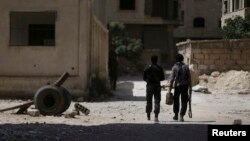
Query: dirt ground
<point x="123" y="117"/>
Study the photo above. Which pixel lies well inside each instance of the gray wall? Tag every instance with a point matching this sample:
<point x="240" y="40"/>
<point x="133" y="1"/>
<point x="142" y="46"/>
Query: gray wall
<point x="210" y="10"/>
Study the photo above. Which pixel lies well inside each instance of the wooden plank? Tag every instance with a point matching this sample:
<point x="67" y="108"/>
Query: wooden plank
<point x="18" y="106"/>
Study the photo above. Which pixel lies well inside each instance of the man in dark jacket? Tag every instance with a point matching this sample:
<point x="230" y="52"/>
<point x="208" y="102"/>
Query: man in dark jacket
<point x="181" y="81"/>
<point x="153" y="74"/>
<point x="113" y="69"/>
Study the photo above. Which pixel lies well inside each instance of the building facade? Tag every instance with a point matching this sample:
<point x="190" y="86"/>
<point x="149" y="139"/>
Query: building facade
<point x="42" y="39"/>
<point x="200" y="19"/>
<point x="149" y="20"/>
<point x="232" y="8"/>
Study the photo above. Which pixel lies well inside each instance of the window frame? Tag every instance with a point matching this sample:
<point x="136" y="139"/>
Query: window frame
<point x="12" y="44"/>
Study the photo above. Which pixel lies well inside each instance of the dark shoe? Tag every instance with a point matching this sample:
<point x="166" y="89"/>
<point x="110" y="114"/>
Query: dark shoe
<point x="148" y="116"/>
<point x="175" y="117"/>
<point x="156" y="119"/>
<point x="181" y="118"/>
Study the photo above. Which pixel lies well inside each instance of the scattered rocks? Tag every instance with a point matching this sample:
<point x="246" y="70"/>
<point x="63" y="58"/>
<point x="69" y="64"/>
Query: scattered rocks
<point x="71" y="114"/>
<point x="215" y="74"/>
<point x="237" y="122"/>
<point x="33" y="112"/>
<point x="202" y="89"/>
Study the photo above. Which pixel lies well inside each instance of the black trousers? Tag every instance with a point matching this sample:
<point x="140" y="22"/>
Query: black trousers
<point x="156" y="92"/>
<point x="183" y="92"/>
<point x="113" y="80"/>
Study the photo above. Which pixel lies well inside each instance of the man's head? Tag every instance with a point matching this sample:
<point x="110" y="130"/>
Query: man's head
<point x="179" y="58"/>
<point x="154" y="59"/>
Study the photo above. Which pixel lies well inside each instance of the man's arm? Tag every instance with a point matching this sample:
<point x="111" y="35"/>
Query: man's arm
<point x="145" y="74"/>
<point x="162" y="74"/>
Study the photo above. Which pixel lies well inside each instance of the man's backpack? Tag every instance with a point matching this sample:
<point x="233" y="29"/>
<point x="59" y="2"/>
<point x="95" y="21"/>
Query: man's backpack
<point x="181" y="75"/>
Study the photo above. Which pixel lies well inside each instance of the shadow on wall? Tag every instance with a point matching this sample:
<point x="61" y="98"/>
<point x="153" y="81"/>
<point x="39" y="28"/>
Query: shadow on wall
<point x="109" y="132"/>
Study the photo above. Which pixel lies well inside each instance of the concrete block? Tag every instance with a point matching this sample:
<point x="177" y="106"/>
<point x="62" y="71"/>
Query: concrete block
<point x="235" y="56"/>
<point x="33" y="112"/>
<point x="196" y="50"/>
<point x="224" y="56"/>
<point x="230" y="62"/>
<point x="236" y="51"/>
<point x="241" y="62"/>
<point x="245" y="56"/>
<point x="213" y="67"/>
<point x="206" y="56"/>
<point x="220" y="51"/>
<point x="206" y="51"/>
<point x="219" y="62"/>
<point x="209" y="62"/>
<point x="198" y="56"/>
<point x="214" y="56"/>
<point x="202" y="67"/>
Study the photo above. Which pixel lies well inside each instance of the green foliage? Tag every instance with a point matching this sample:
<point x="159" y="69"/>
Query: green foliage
<point x="237" y="28"/>
<point x="124" y="46"/>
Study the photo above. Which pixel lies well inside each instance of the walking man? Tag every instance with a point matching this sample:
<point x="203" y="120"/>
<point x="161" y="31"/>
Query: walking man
<point x="153" y="74"/>
<point x="181" y="81"/>
<point x="113" y="69"/>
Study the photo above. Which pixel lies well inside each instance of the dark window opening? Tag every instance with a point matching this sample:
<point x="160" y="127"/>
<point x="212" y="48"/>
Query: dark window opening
<point x="160" y="8"/>
<point x="40" y="34"/>
<point x="247" y="3"/>
<point x="199" y="22"/>
<point x="182" y="16"/>
<point x="236" y="5"/>
<point x="32" y="28"/>
<point x="225" y="6"/>
<point x="127" y="4"/>
<point x="176" y="7"/>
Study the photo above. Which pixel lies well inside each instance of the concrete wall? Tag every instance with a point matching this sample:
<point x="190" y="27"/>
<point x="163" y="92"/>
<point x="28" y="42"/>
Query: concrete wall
<point x="210" y="10"/>
<point x="26" y="68"/>
<point x="99" y="10"/>
<point x="99" y="49"/>
<point x="136" y="16"/>
<point x="221" y="55"/>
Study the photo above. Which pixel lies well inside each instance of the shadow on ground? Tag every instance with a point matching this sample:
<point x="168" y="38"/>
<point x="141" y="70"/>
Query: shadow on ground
<point x="109" y="132"/>
<point x="124" y="92"/>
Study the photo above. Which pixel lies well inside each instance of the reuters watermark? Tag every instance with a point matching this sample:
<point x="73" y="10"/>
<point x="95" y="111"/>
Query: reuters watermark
<point x="240" y="132"/>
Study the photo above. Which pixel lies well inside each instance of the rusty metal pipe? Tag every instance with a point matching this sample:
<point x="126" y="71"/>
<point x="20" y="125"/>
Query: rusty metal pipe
<point x="61" y="80"/>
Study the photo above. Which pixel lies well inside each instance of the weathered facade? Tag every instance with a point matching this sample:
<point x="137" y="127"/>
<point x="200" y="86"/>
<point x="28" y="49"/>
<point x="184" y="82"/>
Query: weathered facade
<point x="149" y="20"/>
<point x="216" y="55"/>
<point x="200" y="19"/>
<point x="232" y="8"/>
<point x="42" y="39"/>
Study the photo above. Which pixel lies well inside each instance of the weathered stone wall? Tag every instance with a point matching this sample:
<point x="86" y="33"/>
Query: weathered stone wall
<point x="222" y="55"/>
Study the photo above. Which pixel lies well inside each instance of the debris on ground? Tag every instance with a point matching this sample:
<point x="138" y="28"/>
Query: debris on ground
<point x="201" y="89"/>
<point x="230" y="81"/>
<point x="237" y="122"/>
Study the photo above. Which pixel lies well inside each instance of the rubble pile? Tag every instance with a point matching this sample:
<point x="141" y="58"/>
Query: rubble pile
<point x="230" y="81"/>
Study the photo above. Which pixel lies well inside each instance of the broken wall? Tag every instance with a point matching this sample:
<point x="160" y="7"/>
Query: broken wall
<point x="221" y="55"/>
